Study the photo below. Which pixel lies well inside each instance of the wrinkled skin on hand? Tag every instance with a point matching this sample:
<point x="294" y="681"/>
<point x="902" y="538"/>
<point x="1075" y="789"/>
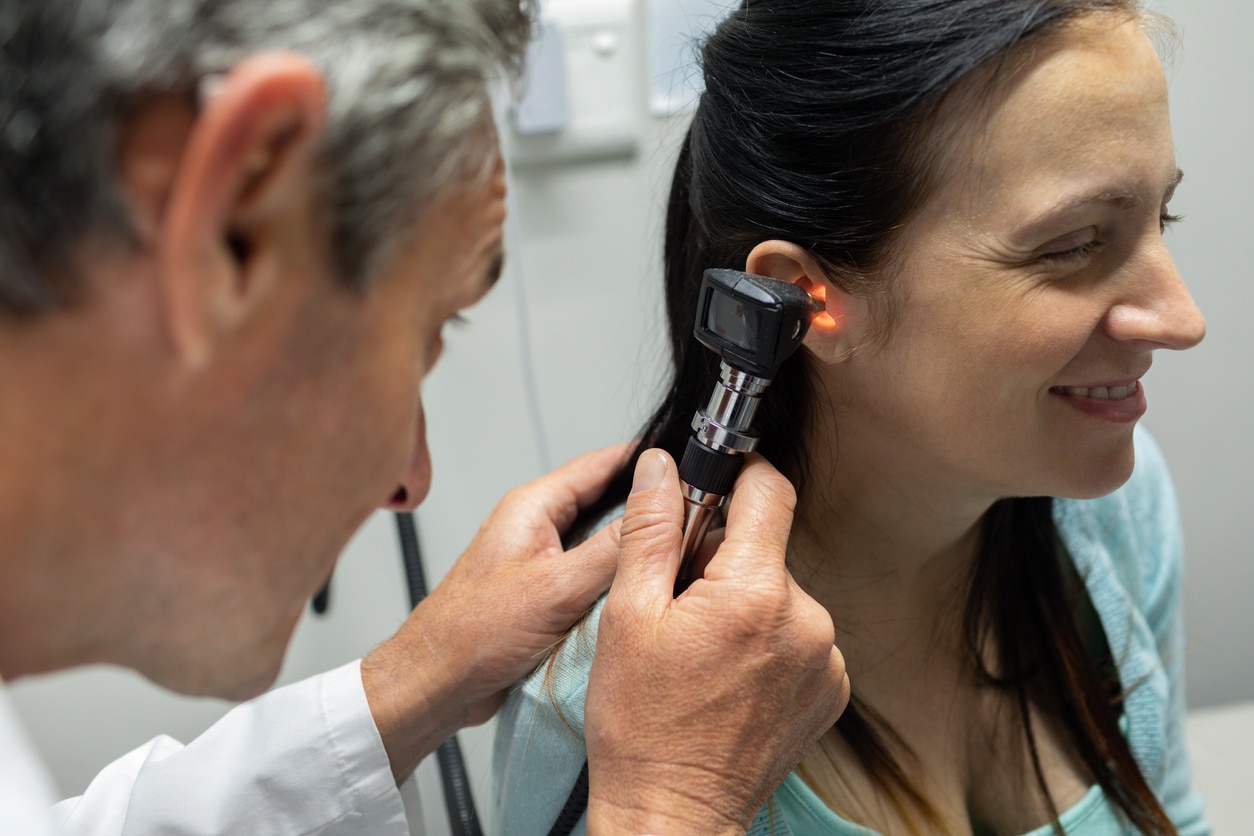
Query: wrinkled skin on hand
<point x="699" y="706"/>
<point x="509" y="598"/>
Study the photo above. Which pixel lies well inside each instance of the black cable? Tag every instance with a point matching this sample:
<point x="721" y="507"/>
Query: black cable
<point x="576" y="804"/>
<point x="458" y="799"/>
<point x="412" y="555"/>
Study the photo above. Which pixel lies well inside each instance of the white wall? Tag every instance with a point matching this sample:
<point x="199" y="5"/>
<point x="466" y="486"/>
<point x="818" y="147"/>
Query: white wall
<point x="585" y="256"/>
<point x="1202" y="400"/>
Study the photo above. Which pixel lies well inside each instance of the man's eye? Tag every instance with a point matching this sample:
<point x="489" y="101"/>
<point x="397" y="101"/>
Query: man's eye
<point x="457" y="321"/>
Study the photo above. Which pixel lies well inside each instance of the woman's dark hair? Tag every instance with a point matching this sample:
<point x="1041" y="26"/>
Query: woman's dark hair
<point x="819" y="126"/>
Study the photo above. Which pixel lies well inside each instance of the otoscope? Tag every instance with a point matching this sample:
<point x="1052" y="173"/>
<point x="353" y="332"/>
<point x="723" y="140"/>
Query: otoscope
<point x="753" y="323"/>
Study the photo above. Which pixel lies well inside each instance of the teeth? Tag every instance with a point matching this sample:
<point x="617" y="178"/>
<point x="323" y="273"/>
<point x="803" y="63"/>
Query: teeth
<point x="1102" y="393"/>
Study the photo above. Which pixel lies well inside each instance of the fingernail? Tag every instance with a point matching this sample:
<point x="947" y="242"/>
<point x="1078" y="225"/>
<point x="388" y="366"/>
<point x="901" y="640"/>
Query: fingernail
<point x="650" y="468"/>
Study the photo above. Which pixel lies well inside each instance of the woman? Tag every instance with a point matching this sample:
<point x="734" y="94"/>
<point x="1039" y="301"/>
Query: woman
<point x="978" y="190"/>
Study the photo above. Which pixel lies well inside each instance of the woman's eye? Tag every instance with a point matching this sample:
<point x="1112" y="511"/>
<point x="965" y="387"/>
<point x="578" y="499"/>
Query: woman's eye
<point x="1078" y="252"/>
<point x="1074" y="254"/>
<point x="1166" y="219"/>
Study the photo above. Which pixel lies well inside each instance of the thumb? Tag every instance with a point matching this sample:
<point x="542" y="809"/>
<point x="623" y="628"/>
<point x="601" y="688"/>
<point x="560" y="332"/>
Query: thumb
<point x="652" y="532"/>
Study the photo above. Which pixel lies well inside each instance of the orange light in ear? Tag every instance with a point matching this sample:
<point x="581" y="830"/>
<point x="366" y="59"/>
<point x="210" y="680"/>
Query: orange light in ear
<point x="823" y="320"/>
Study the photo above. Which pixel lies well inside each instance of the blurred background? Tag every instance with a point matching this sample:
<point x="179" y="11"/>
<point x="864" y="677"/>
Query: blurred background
<point x="567" y="355"/>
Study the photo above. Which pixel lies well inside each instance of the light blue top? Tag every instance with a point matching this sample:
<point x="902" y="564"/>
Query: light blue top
<point x="1126" y="547"/>
<point x="805" y="814"/>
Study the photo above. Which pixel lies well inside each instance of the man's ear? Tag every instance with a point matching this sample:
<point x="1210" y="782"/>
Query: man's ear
<point x="239" y="200"/>
<point x="836" y="331"/>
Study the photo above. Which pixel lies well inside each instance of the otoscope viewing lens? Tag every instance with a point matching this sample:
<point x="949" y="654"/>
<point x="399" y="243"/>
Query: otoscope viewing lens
<point x="732" y="320"/>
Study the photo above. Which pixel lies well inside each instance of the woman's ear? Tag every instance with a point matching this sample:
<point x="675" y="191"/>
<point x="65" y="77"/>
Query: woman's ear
<point x="836" y="331"/>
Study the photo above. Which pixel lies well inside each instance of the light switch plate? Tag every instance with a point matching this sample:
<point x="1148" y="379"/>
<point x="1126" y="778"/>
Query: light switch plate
<point x="601" y="70"/>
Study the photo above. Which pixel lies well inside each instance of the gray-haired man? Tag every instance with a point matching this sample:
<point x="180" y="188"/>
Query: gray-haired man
<point x="230" y="234"/>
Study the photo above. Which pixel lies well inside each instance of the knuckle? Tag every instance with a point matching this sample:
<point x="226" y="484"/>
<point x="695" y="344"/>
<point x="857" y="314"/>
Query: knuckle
<point x="514" y="498"/>
<point x="836" y="660"/>
<point x="771" y="486"/>
<point x="821" y="626"/>
<point x="780" y="490"/>
<point x="621" y="620"/>
<point x="645" y="524"/>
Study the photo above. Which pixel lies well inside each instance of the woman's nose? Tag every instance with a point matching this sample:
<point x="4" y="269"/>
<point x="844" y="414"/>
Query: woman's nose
<point x="1157" y="307"/>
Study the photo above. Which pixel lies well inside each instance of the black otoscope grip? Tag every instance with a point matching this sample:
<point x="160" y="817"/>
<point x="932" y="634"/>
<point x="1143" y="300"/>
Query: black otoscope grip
<point x="709" y="470"/>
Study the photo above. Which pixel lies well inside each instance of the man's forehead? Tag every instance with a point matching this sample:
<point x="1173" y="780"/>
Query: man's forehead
<point x="460" y="241"/>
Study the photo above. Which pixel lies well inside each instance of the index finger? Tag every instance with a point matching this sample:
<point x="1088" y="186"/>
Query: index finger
<point x="563" y="492"/>
<point x="759" y="519"/>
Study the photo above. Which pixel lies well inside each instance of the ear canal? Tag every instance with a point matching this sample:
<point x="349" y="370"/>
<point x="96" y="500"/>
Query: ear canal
<point x="825" y="319"/>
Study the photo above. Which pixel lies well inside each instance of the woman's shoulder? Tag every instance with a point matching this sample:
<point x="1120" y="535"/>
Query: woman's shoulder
<point x="560" y="684"/>
<point x="539" y="749"/>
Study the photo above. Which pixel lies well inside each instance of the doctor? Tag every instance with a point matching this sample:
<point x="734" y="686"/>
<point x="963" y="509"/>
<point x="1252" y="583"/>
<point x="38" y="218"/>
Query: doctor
<point x="230" y="234"/>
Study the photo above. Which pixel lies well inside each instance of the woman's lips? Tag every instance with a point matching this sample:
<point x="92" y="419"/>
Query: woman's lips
<point x="1120" y="403"/>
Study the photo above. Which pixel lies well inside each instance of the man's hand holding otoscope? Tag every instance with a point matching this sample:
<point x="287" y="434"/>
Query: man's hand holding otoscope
<point x="744" y="620"/>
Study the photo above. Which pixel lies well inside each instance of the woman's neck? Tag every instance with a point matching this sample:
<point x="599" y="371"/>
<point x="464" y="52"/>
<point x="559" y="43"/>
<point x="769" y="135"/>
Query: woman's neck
<point x="887" y="550"/>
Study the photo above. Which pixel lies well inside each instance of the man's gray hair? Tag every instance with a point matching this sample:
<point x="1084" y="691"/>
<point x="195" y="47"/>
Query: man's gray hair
<point x="409" y="84"/>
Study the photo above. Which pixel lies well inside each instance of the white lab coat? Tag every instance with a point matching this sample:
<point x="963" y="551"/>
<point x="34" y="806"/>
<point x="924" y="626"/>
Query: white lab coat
<point x="301" y="760"/>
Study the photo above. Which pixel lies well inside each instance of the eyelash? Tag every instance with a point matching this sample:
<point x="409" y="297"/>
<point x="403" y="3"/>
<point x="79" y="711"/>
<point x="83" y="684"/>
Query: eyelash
<point x="1074" y="254"/>
<point x="1165" y="220"/>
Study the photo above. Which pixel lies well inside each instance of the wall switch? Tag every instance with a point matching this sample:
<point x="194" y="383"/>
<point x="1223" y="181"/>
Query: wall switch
<point x="584" y="67"/>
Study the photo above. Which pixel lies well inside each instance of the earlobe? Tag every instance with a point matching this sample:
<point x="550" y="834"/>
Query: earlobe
<point x="239" y="201"/>
<point x="830" y="338"/>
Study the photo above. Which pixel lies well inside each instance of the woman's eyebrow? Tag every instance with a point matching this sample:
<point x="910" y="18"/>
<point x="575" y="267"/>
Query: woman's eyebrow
<point x="1123" y="199"/>
<point x="1175" y="184"/>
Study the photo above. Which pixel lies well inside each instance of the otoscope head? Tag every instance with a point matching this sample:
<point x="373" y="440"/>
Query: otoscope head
<point x="753" y="323"/>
